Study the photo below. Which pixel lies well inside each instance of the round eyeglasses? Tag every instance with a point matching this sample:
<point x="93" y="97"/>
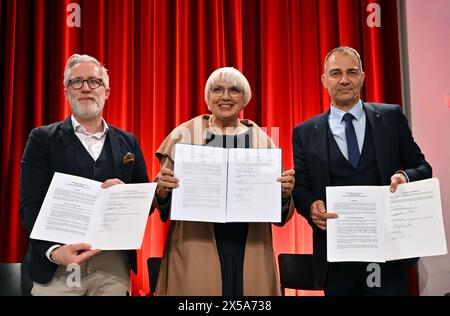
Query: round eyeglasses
<point x="78" y="83"/>
<point x="233" y="92"/>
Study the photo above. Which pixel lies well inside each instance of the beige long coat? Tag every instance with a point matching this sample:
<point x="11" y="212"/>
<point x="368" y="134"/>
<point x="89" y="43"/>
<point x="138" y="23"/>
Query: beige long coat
<point x="191" y="265"/>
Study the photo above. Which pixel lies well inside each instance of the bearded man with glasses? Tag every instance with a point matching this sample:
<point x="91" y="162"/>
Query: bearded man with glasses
<point x="83" y="145"/>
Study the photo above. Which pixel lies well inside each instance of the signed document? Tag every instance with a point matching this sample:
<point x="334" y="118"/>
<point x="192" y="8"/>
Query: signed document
<point x="226" y="185"/>
<point x="375" y="225"/>
<point x="77" y="209"/>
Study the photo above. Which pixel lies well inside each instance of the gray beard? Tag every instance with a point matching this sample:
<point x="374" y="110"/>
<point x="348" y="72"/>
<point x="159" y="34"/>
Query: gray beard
<point x="90" y="110"/>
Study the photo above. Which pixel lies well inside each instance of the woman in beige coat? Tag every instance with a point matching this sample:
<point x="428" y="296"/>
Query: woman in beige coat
<point x="231" y="259"/>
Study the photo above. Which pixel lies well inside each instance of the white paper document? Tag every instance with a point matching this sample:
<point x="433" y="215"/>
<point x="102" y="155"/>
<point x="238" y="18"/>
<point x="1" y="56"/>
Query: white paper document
<point x="77" y="209"/>
<point x="226" y="185"/>
<point x="375" y="225"/>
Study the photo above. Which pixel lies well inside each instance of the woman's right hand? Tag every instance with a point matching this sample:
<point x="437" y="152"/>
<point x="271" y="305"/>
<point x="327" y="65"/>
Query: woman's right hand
<point x="166" y="182"/>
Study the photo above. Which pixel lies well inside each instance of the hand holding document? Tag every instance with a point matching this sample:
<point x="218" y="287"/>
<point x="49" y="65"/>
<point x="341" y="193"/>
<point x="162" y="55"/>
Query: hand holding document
<point x="226" y="185"/>
<point x="77" y="209"/>
<point x="375" y="225"/>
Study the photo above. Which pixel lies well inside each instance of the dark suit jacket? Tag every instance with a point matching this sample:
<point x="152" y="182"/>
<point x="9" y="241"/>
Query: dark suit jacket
<point x="51" y="149"/>
<point x="395" y="150"/>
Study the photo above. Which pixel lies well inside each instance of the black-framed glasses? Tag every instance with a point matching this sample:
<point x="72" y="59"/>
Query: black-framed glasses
<point x="93" y="83"/>
<point x="234" y="92"/>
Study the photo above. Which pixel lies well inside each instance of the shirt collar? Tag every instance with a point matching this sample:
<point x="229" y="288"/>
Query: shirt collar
<point x="78" y="128"/>
<point x="356" y="111"/>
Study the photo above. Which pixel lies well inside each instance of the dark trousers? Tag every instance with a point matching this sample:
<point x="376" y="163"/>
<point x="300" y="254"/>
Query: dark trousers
<point x="366" y="279"/>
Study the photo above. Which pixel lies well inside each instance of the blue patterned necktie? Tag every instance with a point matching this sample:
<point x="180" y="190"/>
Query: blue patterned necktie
<point x="352" y="142"/>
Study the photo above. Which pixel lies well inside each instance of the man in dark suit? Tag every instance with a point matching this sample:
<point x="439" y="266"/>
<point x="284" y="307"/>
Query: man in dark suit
<point x="82" y="145"/>
<point x="354" y="143"/>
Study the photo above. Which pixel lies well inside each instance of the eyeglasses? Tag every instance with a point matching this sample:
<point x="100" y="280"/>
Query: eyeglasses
<point x="234" y="92"/>
<point x="78" y="83"/>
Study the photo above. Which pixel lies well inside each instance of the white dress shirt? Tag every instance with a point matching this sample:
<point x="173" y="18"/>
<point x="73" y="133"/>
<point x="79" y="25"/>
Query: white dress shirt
<point x="93" y="142"/>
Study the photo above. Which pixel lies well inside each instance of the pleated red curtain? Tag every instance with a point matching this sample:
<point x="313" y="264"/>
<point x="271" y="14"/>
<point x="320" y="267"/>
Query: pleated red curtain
<point x="159" y="54"/>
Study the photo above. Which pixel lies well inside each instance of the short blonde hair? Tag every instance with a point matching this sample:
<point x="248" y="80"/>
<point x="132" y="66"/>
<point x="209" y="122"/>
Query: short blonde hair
<point x="76" y="59"/>
<point x="229" y="75"/>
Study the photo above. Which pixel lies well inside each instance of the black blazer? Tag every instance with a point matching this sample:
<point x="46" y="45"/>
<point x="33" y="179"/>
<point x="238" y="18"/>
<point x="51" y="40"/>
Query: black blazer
<point x="395" y="150"/>
<point x="51" y="149"/>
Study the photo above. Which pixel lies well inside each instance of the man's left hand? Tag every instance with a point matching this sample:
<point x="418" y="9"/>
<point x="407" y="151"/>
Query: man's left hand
<point x="111" y="182"/>
<point x="396" y="179"/>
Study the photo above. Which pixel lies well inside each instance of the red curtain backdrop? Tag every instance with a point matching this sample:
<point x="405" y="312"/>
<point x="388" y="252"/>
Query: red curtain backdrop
<point x="159" y="54"/>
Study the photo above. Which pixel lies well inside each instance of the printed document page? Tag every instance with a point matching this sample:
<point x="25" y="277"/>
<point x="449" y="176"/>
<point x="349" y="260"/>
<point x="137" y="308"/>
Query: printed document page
<point x="201" y="196"/>
<point x="358" y="233"/>
<point x="254" y="194"/>
<point x="414" y="223"/>
<point x="77" y="209"/>
<point x="375" y="225"/>
<point x="226" y="185"/>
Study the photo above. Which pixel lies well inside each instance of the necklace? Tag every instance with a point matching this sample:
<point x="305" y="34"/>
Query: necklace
<point x="218" y="131"/>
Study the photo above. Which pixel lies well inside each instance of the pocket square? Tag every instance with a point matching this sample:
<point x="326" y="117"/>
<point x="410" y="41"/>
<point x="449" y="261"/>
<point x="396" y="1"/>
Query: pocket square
<point x="128" y="158"/>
